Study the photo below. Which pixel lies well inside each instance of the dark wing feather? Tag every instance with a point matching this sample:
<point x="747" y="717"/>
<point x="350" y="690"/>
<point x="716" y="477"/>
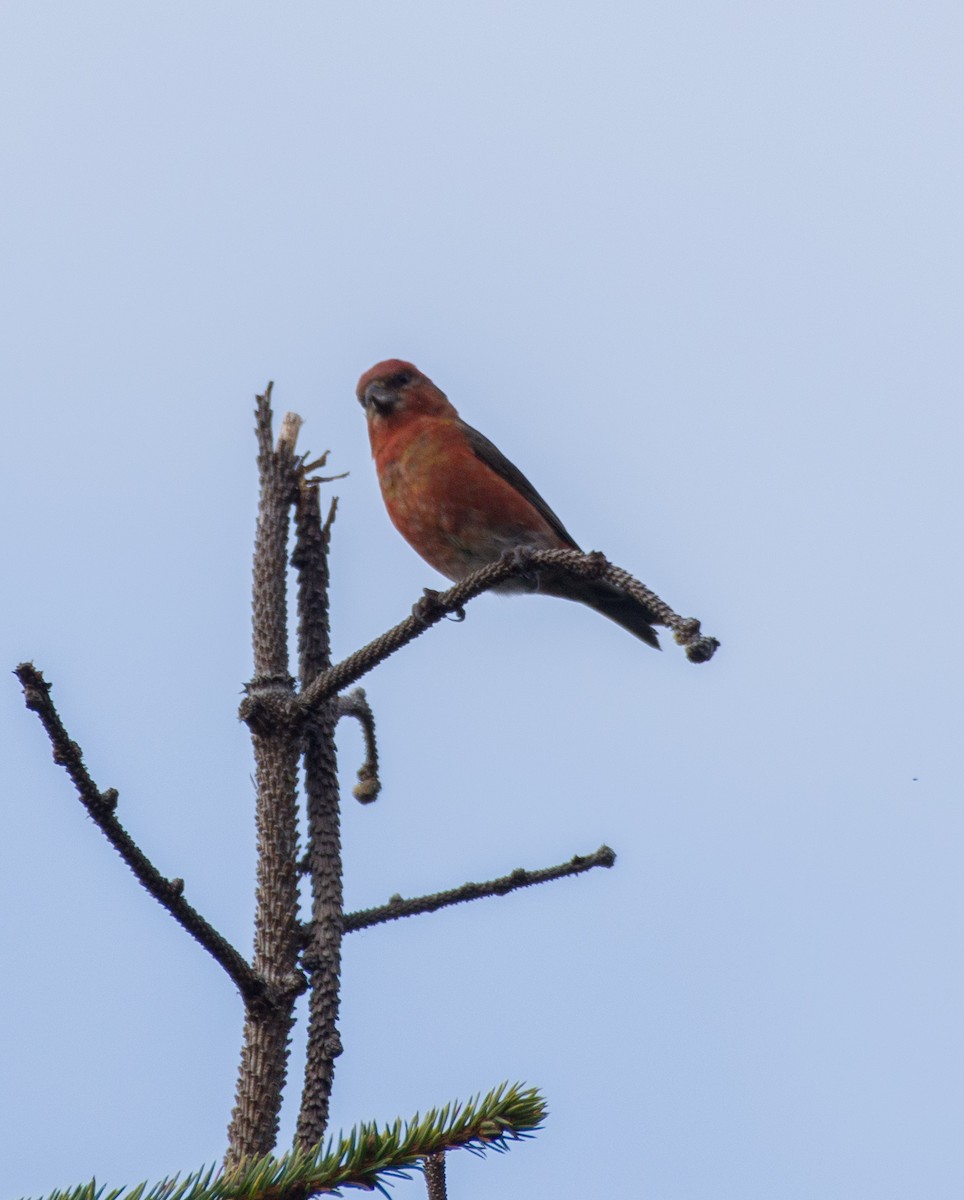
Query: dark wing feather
<point x="493" y="458"/>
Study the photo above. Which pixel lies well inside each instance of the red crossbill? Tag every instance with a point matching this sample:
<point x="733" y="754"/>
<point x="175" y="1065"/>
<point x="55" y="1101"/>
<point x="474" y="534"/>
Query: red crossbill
<point x="459" y="502"/>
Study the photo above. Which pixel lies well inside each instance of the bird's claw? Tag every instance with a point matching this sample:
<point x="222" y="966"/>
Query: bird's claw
<point x="428" y="610"/>
<point x="598" y="561"/>
<point x="520" y="557"/>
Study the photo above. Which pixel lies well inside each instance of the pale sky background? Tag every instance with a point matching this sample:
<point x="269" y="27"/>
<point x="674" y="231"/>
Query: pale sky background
<point x="697" y="269"/>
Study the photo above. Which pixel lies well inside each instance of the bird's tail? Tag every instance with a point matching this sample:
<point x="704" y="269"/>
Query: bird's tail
<point x="607" y="599"/>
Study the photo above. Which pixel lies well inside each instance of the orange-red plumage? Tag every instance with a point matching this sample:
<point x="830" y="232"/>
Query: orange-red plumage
<point x="458" y="501"/>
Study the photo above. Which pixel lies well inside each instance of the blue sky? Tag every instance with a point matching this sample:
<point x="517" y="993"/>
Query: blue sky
<point x="696" y="269"/>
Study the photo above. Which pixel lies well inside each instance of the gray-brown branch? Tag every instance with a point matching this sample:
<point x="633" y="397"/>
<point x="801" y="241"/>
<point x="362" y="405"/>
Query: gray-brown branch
<point x="264" y="1056"/>
<point x="435" y="606"/>
<point x="397" y="907"/>
<point x="434" y="1167"/>
<point x="102" y="809"/>
<point x="322" y="954"/>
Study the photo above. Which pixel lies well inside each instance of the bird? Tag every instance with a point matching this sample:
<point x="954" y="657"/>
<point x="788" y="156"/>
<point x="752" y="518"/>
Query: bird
<point x="460" y="503"/>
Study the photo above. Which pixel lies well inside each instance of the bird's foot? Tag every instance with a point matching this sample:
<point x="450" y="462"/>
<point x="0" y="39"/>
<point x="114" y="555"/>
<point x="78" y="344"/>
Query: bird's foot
<point x="598" y="561"/>
<point x="428" y="610"/>
<point x="520" y="557"/>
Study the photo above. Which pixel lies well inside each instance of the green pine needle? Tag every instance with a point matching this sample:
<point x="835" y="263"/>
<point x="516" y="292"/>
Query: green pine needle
<point x="368" y="1158"/>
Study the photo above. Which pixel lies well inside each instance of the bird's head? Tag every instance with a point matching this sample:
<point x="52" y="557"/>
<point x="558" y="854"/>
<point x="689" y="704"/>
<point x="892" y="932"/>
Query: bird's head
<point x="395" y="389"/>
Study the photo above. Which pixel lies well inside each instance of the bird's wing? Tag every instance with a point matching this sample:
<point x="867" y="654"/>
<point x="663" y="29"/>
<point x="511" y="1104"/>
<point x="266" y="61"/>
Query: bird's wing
<point x="496" y="461"/>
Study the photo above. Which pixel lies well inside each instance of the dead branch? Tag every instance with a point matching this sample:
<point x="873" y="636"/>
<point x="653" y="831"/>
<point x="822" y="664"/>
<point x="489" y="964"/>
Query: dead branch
<point x="434" y="606"/>
<point x="102" y="809"/>
<point x="264" y="1056"/>
<point x="322" y="954"/>
<point x="434" y="1167"/>
<point x="520" y="878"/>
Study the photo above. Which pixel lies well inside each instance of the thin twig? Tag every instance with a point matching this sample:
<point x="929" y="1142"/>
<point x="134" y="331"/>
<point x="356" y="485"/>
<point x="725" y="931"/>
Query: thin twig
<point x="397" y="907"/>
<point x="101" y="807"/>
<point x="355" y="704"/>
<point x="437" y="605"/>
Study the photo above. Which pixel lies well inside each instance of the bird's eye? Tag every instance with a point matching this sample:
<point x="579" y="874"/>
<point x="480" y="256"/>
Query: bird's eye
<point x="399" y="379"/>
